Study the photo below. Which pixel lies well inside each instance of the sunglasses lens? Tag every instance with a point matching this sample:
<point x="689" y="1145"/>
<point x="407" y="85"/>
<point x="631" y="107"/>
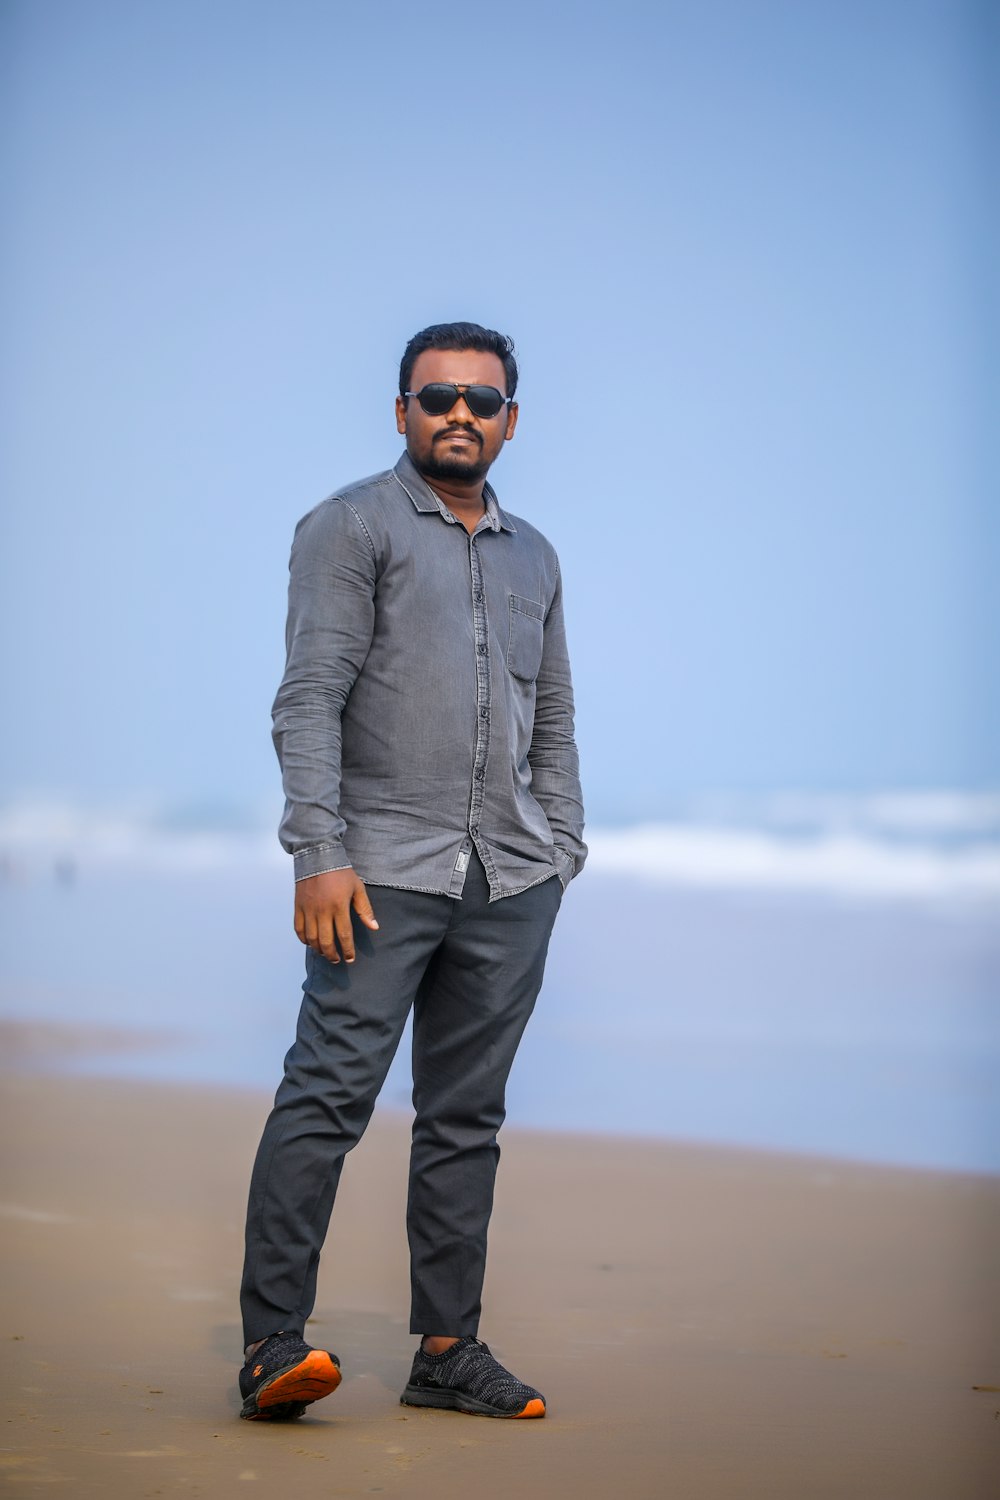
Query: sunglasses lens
<point x="483" y="400"/>
<point x="437" y="399"/>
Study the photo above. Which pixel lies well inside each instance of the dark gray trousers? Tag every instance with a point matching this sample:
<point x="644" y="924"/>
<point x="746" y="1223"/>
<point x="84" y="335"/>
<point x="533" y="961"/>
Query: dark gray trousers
<point x="471" y="972"/>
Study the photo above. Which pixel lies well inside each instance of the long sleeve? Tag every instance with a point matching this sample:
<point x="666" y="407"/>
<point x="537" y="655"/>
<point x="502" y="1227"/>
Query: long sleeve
<point x="331" y="615"/>
<point x="553" y="756"/>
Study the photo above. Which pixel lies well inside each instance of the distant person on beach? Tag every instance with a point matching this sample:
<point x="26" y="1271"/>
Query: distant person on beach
<point x="424" y="727"/>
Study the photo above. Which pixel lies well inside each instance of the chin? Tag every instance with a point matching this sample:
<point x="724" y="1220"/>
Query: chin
<point x="454" y="467"/>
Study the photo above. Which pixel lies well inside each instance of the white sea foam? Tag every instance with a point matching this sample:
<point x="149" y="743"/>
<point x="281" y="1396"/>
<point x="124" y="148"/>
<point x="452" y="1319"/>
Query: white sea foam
<point x="932" y="814"/>
<point x="923" y="846"/>
<point x="41" y="835"/>
<point x="834" y="864"/>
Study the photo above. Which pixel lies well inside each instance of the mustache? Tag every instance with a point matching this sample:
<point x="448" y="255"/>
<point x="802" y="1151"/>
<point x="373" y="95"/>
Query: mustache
<point x="457" y="430"/>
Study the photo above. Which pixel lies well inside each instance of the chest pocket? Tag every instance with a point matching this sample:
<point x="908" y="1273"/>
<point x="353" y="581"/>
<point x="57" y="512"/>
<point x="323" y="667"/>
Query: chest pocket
<point x="524" y="643"/>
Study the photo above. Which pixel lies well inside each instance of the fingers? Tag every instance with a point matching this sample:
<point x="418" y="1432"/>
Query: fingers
<point x="345" y="932"/>
<point x="325" y="936"/>
<point x="343" y="924"/>
<point x="323" y="907"/>
<point x="363" y="907"/>
<point x="315" y="928"/>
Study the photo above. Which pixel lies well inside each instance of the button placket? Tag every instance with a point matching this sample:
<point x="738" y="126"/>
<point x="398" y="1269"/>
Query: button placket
<point x="482" y="744"/>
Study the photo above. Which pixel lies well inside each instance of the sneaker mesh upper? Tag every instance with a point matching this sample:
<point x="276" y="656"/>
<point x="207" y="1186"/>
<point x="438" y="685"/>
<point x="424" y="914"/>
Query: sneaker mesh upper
<point x="469" y="1367"/>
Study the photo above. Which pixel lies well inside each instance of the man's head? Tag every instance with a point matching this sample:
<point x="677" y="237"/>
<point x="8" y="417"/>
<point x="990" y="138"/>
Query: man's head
<point x="459" y="336"/>
<point x="456" y="439"/>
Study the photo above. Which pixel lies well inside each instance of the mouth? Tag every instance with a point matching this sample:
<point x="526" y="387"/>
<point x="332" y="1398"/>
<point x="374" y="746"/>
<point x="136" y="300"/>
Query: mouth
<point x="459" y="437"/>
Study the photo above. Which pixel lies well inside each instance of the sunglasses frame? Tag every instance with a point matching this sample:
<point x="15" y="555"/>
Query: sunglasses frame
<point x="460" y="392"/>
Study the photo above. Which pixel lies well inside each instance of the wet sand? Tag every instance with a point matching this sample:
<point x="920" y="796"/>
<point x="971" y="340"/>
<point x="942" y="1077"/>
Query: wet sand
<point x="706" y="1324"/>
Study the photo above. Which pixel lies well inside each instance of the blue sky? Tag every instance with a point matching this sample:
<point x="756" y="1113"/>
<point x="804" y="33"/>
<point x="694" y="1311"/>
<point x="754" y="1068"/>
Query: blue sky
<point x="744" y="251"/>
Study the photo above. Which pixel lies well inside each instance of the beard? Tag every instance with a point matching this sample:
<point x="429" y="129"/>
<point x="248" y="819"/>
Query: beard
<point x="467" y="466"/>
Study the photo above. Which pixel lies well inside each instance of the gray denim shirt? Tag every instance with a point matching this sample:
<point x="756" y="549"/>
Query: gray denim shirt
<point x="426" y="706"/>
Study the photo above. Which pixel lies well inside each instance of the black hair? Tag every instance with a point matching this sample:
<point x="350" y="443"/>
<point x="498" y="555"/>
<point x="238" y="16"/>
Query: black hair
<point x="459" y="336"/>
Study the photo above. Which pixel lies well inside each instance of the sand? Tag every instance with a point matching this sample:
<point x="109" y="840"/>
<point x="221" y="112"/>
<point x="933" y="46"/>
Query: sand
<point x="705" y="1323"/>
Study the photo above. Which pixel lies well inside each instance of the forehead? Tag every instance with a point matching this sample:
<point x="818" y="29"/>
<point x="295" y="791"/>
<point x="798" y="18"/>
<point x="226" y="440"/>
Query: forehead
<point x="460" y="367"/>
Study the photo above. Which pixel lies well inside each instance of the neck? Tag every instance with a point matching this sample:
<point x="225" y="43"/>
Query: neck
<point x="465" y="501"/>
<point x="458" y="496"/>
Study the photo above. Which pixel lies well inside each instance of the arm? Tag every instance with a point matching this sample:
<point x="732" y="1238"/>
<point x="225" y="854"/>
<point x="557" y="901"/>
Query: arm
<point x="331" y="614"/>
<point x="553" y="757"/>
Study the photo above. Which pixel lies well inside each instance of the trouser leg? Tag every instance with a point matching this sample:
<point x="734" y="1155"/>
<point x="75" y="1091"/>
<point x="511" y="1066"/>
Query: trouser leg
<point x="349" y="1026"/>
<point x="469" y="1015"/>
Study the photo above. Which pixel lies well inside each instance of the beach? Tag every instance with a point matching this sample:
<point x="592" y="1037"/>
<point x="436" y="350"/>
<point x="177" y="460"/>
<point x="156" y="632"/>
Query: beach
<point x="705" y="1322"/>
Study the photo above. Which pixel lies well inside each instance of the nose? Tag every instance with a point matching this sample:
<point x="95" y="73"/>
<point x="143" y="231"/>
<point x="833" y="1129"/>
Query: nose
<point x="461" y="410"/>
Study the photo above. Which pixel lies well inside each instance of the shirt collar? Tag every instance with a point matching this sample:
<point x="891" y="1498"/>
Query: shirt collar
<point x="424" y="498"/>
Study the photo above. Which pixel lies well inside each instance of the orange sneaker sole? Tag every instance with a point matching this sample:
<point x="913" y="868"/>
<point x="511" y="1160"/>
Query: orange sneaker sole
<point x="534" y="1408"/>
<point x="311" y="1379"/>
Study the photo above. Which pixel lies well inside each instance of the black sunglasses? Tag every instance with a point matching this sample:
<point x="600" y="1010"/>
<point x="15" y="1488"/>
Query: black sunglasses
<point x="439" y="397"/>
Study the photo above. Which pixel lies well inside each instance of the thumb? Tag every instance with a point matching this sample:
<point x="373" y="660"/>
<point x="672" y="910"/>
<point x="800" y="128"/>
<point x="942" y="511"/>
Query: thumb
<point x="363" y="906"/>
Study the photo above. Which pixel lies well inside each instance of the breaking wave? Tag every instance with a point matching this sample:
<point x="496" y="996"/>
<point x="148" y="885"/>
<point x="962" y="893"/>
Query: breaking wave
<point x="898" y="845"/>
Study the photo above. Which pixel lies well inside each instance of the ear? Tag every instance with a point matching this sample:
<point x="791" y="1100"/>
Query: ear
<point x="400" y="414"/>
<point x="511" y="421"/>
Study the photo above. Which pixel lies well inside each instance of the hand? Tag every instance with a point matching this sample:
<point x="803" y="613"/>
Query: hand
<point x="323" y="912"/>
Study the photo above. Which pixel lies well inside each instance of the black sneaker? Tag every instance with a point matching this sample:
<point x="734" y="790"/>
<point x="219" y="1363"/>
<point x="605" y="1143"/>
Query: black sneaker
<point x="466" y="1377"/>
<point x="280" y="1378"/>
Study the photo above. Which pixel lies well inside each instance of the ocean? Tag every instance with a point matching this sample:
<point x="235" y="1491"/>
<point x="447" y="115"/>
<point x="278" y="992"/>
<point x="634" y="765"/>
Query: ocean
<point x="809" y="974"/>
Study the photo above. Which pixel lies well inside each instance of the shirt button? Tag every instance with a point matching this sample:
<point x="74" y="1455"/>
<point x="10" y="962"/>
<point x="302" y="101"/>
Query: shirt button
<point x="483" y="713"/>
<point x="474" y="828"/>
<point x="480" y="773"/>
<point x="481" y="648"/>
<point x="478" y="596"/>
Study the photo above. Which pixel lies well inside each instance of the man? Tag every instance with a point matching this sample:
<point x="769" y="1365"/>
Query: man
<point x="424" y="727"/>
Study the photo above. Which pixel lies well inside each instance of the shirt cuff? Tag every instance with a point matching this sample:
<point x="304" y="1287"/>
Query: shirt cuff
<point x="320" y="860"/>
